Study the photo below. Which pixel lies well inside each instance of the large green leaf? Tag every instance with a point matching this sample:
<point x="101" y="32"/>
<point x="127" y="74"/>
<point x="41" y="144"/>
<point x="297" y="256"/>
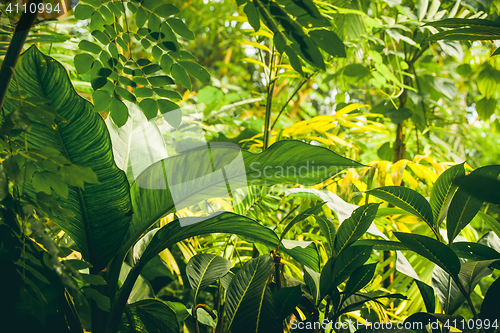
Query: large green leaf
<point x="249" y="302"/>
<point x="149" y="316"/>
<point x="336" y="270"/>
<point x="433" y="250"/>
<point x="354" y="227"/>
<point x="314" y="210"/>
<point x="481" y="187"/>
<point x="490" y="308"/>
<point x="474" y="251"/>
<point x="475" y="33"/>
<point x="443" y="191"/>
<point x="188" y="178"/>
<point x="359" y="278"/>
<point x="407" y="199"/>
<point x="224" y="222"/>
<point x="204" y="269"/>
<point x="464" y="206"/>
<point x="101" y="216"/>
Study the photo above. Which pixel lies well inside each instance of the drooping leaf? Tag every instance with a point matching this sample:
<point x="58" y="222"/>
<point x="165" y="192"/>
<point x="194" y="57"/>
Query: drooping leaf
<point x="249" y="302"/>
<point x="354" y="227"/>
<point x="407" y="199"/>
<point x="204" y="269"/>
<point x="490" y="308"/>
<point x="482" y="187"/>
<point x="336" y="270"/>
<point x="474" y="251"/>
<point x="428" y="296"/>
<point x="360" y="278"/>
<point x="100" y="218"/>
<point x="286" y="299"/>
<point x="153" y="196"/>
<point x="329" y="42"/>
<point x="149" y="315"/>
<point x="463" y="206"/>
<point x="443" y="191"/>
<point x="433" y="250"/>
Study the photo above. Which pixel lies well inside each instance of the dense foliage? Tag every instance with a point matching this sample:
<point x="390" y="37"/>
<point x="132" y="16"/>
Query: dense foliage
<point x="250" y="166"/>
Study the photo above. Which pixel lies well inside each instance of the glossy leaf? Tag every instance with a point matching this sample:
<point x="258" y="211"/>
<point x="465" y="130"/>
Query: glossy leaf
<point x="433" y="250"/>
<point x="443" y="191"/>
<point x="100" y="218"/>
<point x="152" y="197"/>
<point x="249" y="303"/>
<point x="407" y="199"/>
<point x="204" y="269"/>
<point x="464" y="207"/>
<point x="354" y="227"/>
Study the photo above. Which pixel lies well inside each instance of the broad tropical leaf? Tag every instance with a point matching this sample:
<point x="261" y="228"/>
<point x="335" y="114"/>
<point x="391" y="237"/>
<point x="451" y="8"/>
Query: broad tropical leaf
<point x="360" y="278"/>
<point x="204" y="269"/>
<point x="490" y="308"/>
<point x="336" y="270"/>
<point x="433" y="250"/>
<point x="481" y="187"/>
<point x="286" y="299"/>
<point x="474" y="251"/>
<point x="464" y="207"/>
<point x="354" y="227"/>
<point x="224" y="222"/>
<point x="187" y="179"/>
<point x="407" y="199"/>
<point x="443" y="191"/>
<point x="149" y="316"/>
<point x="249" y="302"/>
<point x="428" y="296"/>
<point x="101" y="216"/>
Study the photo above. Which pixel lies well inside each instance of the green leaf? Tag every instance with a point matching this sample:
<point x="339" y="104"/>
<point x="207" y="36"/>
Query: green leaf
<point x="464" y="207"/>
<point x="85" y="45"/>
<point x="356" y="70"/>
<point x="149" y="315"/>
<point x="141" y="17"/>
<point x="329" y="42"/>
<point x="101" y="100"/>
<point x="490" y="307"/>
<point x="315" y="210"/>
<point x="101" y="37"/>
<point x="442" y="192"/>
<point x="354" y="227"/>
<point x="220" y="223"/>
<point x="492" y="222"/>
<point x="461" y="23"/>
<point x="119" y="112"/>
<point x="196" y="71"/>
<point x="486" y="107"/>
<point x="337" y="270"/>
<point x="40" y="184"/>
<point x="328" y="230"/>
<point x="150" y="108"/>
<point x="180" y="75"/>
<point x="166" y="63"/>
<point x="360" y="278"/>
<point x="167" y="10"/>
<point x="180" y="27"/>
<point x="407" y="199"/>
<point x="433" y="250"/>
<point x="428" y="296"/>
<point x="100" y="219"/>
<point x="83" y="62"/>
<point x="481" y="187"/>
<point x="204" y="269"/>
<point x="474" y="251"/>
<point x="249" y="302"/>
<point x="286" y="299"/>
<point x="153" y="199"/>
<point x="160" y="80"/>
<point x="83" y="12"/>
<point x="96" y="21"/>
<point x="125" y="94"/>
<point x="475" y="33"/>
<point x="497" y="52"/>
<point x="294" y="60"/>
<point x="252" y="15"/>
